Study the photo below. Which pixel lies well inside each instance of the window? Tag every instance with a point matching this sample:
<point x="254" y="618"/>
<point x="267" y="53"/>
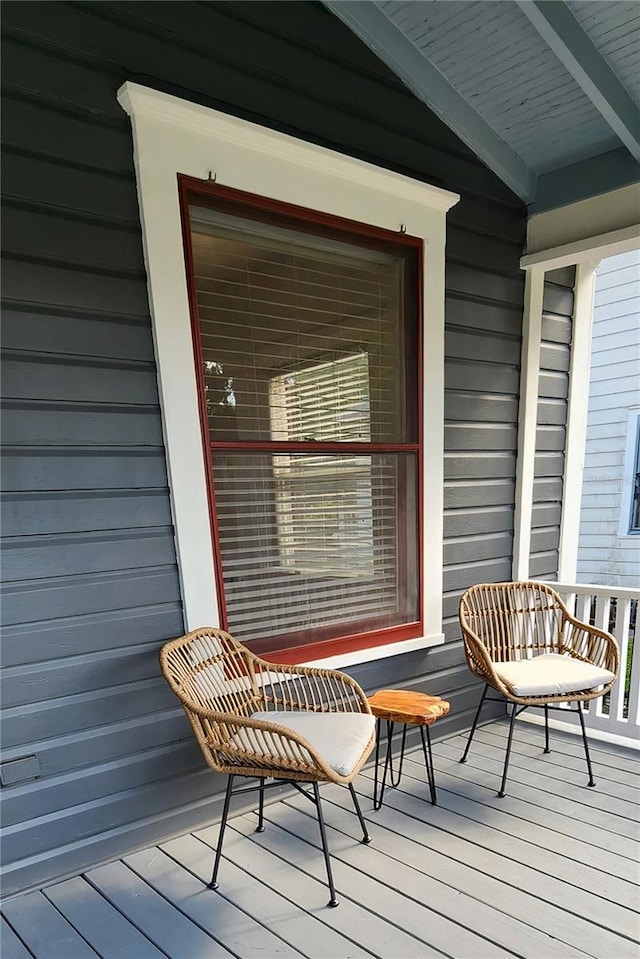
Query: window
<point x="173" y="137"/>
<point x="307" y="339"/>
<point x="633" y="476"/>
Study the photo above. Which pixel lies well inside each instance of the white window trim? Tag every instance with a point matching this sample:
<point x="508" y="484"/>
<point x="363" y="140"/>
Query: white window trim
<point x="172" y="136"/>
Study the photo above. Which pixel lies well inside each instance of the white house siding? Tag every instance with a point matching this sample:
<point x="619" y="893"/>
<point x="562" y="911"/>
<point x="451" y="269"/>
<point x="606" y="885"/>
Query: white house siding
<point x="607" y="554"/>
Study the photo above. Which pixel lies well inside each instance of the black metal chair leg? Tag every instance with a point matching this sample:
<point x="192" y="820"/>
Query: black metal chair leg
<point x="366" y="838"/>
<point x="514" y="713"/>
<point x="475" y="722"/>
<point x="546" y="729"/>
<point x="225" y="813"/>
<point x="260" y="827"/>
<point x="428" y="761"/>
<point x="325" y="848"/>
<point x="592" y="781"/>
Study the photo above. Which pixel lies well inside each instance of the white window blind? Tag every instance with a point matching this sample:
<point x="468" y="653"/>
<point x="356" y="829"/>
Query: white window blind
<point x="324" y="514"/>
<point x="329" y="402"/>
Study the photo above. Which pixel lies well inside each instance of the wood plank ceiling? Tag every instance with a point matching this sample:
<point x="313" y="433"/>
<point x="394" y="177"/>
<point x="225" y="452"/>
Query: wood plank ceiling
<point x="546" y="92"/>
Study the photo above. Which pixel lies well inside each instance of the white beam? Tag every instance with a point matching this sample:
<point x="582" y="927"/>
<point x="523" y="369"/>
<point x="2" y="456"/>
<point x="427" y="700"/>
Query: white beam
<point x="584" y="250"/>
<point x="571" y="44"/>
<point x="576" y="429"/>
<point x="427" y="82"/>
<point x="527" y="420"/>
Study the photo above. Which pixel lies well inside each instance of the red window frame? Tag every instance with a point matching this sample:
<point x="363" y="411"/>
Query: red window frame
<point x="264" y="209"/>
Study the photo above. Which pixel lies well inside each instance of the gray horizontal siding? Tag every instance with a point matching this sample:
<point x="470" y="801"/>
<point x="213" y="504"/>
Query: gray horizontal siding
<point x="52" y="469"/>
<point x="91" y="586"/>
<point x="55" y="597"/>
<point x="38" y="682"/>
<point x="37" y="557"/>
<point x="25" y="513"/>
<point x="553" y="390"/>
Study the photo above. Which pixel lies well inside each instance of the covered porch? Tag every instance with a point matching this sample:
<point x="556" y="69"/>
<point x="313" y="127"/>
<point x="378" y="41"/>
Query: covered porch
<point x="548" y="871"/>
<point x="105" y="767"/>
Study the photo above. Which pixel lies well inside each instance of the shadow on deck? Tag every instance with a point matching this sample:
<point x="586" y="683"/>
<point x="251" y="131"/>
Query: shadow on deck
<point x="549" y="871"/>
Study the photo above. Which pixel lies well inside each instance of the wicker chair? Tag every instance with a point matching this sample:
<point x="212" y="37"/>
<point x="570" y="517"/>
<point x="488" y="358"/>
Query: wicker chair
<point x="287" y="723"/>
<point x="521" y="640"/>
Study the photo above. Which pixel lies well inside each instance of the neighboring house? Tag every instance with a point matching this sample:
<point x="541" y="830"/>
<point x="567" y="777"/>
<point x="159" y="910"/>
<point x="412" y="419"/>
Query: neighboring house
<point x="145" y="491"/>
<point x="609" y="540"/>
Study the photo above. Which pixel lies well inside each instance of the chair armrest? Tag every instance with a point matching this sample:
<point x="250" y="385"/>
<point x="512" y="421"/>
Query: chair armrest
<point x="479" y="660"/>
<point x="310" y="688"/>
<point x="256" y="744"/>
<point x="589" y="643"/>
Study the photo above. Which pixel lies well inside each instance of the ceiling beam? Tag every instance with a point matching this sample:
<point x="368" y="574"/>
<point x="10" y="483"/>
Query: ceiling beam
<point x="590" y="177"/>
<point x="425" y="80"/>
<point x="571" y="44"/>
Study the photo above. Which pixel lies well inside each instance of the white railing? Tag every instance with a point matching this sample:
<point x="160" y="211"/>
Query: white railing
<point x="616" y="716"/>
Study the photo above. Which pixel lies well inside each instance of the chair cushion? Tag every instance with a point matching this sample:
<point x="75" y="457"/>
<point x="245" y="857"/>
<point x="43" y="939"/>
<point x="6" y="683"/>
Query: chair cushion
<point x="551" y="675"/>
<point x="340" y="738"/>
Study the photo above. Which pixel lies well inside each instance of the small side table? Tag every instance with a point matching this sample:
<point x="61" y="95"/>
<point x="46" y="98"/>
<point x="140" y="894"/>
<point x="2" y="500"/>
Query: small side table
<point x="411" y="709"/>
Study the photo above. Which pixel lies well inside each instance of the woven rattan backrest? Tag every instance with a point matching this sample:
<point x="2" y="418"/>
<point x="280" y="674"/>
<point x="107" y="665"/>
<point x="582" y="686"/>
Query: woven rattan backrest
<point x="209" y="668"/>
<point x="513" y="620"/>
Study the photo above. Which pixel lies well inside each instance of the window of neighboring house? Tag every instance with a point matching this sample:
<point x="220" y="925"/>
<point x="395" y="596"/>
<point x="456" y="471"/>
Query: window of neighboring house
<point x="634" y="512"/>
<point x="307" y="338"/>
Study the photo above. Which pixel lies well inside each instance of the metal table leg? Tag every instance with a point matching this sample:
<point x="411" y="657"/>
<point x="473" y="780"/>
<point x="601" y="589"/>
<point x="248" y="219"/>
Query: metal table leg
<point x="388" y="762"/>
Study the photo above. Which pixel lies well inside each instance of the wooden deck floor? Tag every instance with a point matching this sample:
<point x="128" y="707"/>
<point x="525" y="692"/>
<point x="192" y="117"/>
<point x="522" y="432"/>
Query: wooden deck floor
<point x="549" y="871"/>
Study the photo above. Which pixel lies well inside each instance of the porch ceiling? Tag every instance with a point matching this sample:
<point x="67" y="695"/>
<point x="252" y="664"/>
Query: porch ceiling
<point x="546" y="92"/>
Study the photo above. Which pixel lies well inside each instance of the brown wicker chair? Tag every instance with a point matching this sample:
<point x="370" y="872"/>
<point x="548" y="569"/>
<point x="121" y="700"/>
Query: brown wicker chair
<point x="522" y="641"/>
<point x="287" y="723"/>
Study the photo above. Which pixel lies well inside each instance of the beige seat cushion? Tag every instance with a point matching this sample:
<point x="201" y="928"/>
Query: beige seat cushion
<point x="340" y="738"/>
<point x="551" y="675"/>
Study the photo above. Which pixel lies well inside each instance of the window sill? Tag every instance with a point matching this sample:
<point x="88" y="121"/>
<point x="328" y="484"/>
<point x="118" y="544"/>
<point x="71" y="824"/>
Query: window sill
<point x="367" y="654"/>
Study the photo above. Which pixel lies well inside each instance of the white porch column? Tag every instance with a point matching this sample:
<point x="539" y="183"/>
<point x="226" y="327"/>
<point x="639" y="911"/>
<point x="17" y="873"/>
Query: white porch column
<point x="577" y="410"/>
<point x="527" y="420"/>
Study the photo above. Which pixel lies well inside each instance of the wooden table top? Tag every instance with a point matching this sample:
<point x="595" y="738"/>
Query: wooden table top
<point x="404" y="706"/>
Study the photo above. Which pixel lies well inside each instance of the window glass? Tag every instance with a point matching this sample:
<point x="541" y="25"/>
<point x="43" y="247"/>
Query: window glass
<point x="307" y="344"/>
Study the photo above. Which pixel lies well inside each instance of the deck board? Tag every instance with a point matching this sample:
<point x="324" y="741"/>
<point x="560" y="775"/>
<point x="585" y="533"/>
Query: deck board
<point x="553" y="903"/>
<point x="570" y="772"/>
<point x="385" y="887"/>
<point x="568" y="755"/>
<point x="44" y="930"/>
<point x="99" y="923"/>
<point x="160" y="921"/>
<point x="538" y="848"/>
<point x="11" y="947"/>
<point x="370" y="931"/>
<point x="591" y="804"/>
<point x="548" y="872"/>
<point x="261" y="895"/>
<point x="605" y="756"/>
<point x="215" y="914"/>
<point x="458" y="890"/>
<point x="591" y="845"/>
